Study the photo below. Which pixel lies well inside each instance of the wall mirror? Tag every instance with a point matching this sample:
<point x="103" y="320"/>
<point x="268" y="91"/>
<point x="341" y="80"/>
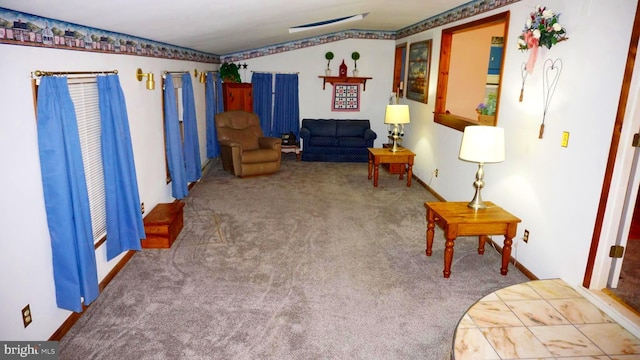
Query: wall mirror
<point x="469" y="72"/>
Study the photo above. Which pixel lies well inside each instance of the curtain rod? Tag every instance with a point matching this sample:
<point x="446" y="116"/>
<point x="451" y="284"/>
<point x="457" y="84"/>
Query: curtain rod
<point x="39" y="73"/>
<point x="174" y="72"/>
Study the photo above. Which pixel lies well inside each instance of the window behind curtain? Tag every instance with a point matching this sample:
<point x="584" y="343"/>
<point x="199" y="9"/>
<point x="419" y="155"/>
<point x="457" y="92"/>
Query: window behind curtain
<point x="84" y="94"/>
<point x="177" y="85"/>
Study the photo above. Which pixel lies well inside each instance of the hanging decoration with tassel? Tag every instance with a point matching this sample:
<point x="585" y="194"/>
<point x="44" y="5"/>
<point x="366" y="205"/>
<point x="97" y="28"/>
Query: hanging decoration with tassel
<point x="551" y="74"/>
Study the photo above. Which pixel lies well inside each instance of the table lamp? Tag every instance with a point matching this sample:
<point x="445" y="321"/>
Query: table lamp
<point x="396" y="116"/>
<point x="481" y="144"/>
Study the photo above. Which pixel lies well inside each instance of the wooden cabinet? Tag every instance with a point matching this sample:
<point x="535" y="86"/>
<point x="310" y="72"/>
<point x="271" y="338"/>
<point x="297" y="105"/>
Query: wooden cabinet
<point x="237" y="96"/>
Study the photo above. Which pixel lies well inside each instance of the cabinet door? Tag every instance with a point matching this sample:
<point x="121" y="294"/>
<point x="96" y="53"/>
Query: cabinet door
<point x="237" y="96"/>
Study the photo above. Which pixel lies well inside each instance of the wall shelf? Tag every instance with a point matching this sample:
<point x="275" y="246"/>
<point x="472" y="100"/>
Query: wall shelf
<point x="344" y="79"/>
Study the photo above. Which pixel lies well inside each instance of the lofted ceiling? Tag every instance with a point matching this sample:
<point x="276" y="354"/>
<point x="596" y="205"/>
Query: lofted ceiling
<point x="224" y="27"/>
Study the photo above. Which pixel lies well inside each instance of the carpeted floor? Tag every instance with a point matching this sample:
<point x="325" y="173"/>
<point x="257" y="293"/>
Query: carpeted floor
<point x="312" y="262"/>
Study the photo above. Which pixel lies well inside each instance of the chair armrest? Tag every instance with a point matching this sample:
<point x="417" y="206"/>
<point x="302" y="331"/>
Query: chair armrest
<point x="230" y="143"/>
<point x="370" y="134"/>
<point x="269" y="142"/>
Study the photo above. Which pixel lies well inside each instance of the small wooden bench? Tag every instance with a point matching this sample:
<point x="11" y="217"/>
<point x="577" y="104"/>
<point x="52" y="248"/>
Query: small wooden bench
<point x="162" y="225"/>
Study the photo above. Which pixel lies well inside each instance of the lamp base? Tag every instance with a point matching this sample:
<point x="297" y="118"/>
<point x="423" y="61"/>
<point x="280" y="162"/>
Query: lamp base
<point x="477" y="202"/>
<point x="395" y="147"/>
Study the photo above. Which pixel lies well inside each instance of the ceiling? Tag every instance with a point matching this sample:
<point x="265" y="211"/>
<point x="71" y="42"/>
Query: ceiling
<point x="224" y="27"/>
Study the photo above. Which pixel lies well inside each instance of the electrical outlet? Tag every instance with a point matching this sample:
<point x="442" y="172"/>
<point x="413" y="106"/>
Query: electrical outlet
<point x="435" y="172"/>
<point x="525" y="237"/>
<point x="142" y="207"/>
<point x="26" y="316"/>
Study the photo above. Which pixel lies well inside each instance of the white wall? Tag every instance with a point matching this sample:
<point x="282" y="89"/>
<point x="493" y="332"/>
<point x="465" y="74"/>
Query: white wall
<point x="554" y="190"/>
<point x="376" y="61"/>
<point x="25" y="259"/>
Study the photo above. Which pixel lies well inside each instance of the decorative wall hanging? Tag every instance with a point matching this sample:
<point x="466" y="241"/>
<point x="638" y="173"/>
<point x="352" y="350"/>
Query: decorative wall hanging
<point x="541" y="29"/>
<point x="346" y="97"/>
<point x="419" y="66"/>
<point x="550" y="76"/>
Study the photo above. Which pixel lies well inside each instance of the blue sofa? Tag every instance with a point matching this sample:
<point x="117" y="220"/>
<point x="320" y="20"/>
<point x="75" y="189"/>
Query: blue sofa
<point x="334" y="140"/>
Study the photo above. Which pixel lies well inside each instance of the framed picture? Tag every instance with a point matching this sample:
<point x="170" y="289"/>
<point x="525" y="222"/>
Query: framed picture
<point x="418" y="66"/>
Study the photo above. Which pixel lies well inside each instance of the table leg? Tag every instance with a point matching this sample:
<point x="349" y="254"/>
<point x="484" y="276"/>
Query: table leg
<point x="448" y="256"/>
<point x="430" y="226"/>
<point x="512" y="228"/>
<point x="482" y="239"/>
<point x="409" y="173"/>
<point x="376" y="167"/>
<point x="402" y="171"/>
<point x="370" y="165"/>
<point x="506" y="254"/>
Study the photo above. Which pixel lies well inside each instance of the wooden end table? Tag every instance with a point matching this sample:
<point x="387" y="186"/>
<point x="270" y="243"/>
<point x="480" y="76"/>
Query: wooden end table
<point x="294" y="148"/>
<point x="379" y="156"/>
<point x="457" y="219"/>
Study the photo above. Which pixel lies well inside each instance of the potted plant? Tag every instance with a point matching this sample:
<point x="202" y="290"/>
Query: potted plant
<point x="487" y="110"/>
<point x="355" y="56"/>
<point x="229" y="72"/>
<point x="329" y="57"/>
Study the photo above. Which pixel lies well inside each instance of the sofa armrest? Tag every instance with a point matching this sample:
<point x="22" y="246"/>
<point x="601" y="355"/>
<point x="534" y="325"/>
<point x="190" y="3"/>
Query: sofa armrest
<point x="269" y="142"/>
<point x="370" y="134"/>
<point x="305" y="133"/>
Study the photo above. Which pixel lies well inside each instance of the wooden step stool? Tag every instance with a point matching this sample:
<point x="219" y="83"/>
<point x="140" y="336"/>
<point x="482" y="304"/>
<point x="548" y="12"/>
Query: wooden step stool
<point x="162" y="225"/>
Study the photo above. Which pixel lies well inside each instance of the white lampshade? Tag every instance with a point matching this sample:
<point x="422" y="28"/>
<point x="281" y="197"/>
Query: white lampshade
<point x="482" y="144"/>
<point x="397" y="114"/>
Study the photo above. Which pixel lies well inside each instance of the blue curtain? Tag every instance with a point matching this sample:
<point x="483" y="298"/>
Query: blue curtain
<point x="213" y="148"/>
<point x="124" y="220"/>
<point x="219" y="99"/>
<point x="65" y="196"/>
<point x="175" y="157"/>
<point x="191" y="145"/>
<point x="262" y="103"/>
<point x="286" y="108"/>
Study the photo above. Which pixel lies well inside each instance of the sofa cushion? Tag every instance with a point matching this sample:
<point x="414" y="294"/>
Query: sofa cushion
<point x="352" y="141"/>
<point x="323" y="141"/>
<point x="321" y="127"/>
<point x="351" y="127"/>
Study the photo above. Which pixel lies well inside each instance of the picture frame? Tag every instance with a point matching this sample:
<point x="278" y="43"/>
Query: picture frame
<point x="418" y="68"/>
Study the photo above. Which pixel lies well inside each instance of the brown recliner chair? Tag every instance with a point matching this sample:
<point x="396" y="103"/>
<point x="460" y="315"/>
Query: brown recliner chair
<point x="244" y="149"/>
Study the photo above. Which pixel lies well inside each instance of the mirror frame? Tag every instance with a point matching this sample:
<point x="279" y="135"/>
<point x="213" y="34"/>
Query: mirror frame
<point x="441" y="114"/>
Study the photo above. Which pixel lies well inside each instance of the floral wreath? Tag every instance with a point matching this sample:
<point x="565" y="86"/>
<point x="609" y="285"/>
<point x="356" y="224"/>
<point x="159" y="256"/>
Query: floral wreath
<point x="541" y="29"/>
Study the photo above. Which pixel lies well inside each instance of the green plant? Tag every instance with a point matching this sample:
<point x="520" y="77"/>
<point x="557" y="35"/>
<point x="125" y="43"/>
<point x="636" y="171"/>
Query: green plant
<point x="488" y="108"/>
<point x="355" y="56"/>
<point x="329" y="57"/>
<point x="229" y="72"/>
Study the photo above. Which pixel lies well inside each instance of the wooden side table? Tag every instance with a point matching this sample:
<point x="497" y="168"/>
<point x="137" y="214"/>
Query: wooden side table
<point x="379" y="156"/>
<point x="295" y="148"/>
<point x="457" y="219"/>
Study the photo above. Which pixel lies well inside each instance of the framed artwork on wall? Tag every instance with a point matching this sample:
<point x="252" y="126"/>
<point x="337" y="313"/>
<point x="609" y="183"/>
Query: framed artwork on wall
<point x="418" y="65"/>
<point x="346" y="97"/>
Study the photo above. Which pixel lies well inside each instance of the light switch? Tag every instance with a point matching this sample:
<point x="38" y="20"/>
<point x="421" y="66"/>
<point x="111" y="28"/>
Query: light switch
<point x="565" y="139"/>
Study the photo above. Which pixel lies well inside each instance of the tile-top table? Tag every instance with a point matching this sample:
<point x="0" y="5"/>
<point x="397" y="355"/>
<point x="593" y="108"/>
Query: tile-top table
<point x="458" y="219"/>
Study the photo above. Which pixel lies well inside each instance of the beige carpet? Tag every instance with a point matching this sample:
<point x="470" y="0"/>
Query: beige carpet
<point x="312" y="262"/>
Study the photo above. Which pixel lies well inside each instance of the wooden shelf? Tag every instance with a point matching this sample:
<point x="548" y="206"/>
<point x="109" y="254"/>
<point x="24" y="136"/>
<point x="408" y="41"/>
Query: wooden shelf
<point x="345" y="79"/>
